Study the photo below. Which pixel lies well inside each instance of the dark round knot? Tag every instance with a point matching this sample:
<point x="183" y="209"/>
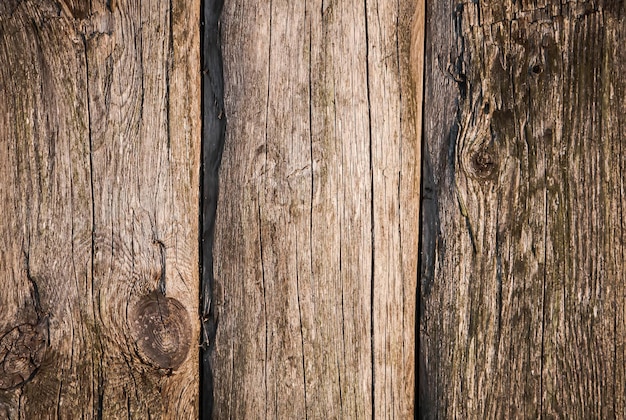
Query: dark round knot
<point x="161" y="329"/>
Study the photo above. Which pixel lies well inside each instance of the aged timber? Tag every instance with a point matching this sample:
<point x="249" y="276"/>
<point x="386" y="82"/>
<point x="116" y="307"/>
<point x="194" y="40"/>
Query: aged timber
<point x="522" y="283"/>
<point x="99" y="180"/>
<point x="316" y="236"/>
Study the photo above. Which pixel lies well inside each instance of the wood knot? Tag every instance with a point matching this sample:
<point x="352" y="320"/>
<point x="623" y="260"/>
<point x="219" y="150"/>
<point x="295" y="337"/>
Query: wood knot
<point x="484" y="163"/>
<point x="22" y="350"/>
<point x="536" y="69"/>
<point x="161" y="329"/>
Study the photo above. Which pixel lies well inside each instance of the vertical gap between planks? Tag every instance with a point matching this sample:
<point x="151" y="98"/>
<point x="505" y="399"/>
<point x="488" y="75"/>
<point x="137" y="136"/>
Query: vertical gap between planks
<point x="212" y="144"/>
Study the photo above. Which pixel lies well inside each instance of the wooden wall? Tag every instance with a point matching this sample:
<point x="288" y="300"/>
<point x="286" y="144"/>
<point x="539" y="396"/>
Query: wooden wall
<point x="521" y="302"/>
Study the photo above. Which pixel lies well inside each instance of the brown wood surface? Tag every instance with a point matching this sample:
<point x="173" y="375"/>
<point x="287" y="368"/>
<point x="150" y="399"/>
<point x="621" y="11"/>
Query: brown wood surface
<point x="99" y="166"/>
<point x="523" y="296"/>
<point x="317" y="224"/>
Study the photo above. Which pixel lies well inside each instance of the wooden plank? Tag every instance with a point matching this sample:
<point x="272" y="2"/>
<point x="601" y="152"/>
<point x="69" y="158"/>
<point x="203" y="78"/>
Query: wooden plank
<point x="522" y="291"/>
<point x="395" y="56"/>
<point x="100" y="139"/>
<point x="316" y="232"/>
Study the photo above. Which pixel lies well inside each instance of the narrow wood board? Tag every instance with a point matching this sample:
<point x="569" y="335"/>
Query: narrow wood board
<point x="99" y="183"/>
<point x="316" y="236"/>
<point x="523" y="298"/>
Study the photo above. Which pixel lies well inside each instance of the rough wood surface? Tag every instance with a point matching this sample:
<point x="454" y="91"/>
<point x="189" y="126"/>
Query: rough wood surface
<point x="99" y="166"/>
<point x="317" y="221"/>
<point x="523" y="296"/>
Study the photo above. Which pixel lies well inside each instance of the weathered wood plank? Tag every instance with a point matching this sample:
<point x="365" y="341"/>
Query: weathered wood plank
<point x="316" y="233"/>
<point x="395" y="135"/>
<point x="522" y="293"/>
<point x="100" y="135"/>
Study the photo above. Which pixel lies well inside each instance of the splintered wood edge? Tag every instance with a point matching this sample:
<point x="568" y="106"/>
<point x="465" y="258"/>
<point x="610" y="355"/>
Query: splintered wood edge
<point x="418" y="35"/>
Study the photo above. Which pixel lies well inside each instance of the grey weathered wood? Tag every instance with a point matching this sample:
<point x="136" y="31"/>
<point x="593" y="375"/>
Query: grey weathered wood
<point x="99" y="166"/>
<point x="317" y="224"/>
<point x="523" y="302"/>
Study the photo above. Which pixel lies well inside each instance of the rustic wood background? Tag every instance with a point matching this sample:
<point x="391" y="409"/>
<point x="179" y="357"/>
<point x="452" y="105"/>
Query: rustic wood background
<point x="522" y="299"/>
<point x="522" y="283"/>
<point x="99" y="184"/>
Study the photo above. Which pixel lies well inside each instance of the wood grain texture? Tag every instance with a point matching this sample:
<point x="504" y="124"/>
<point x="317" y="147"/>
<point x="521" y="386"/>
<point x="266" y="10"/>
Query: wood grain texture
<point x="99" y="181"/>
<point x="522" y="288"/>
<point x="317" y="220"/>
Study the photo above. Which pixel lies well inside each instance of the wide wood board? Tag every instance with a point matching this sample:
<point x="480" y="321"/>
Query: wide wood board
<point x="523" y="289"/>
<point x="99" y="185"/>
<point x="316" y="239"/>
